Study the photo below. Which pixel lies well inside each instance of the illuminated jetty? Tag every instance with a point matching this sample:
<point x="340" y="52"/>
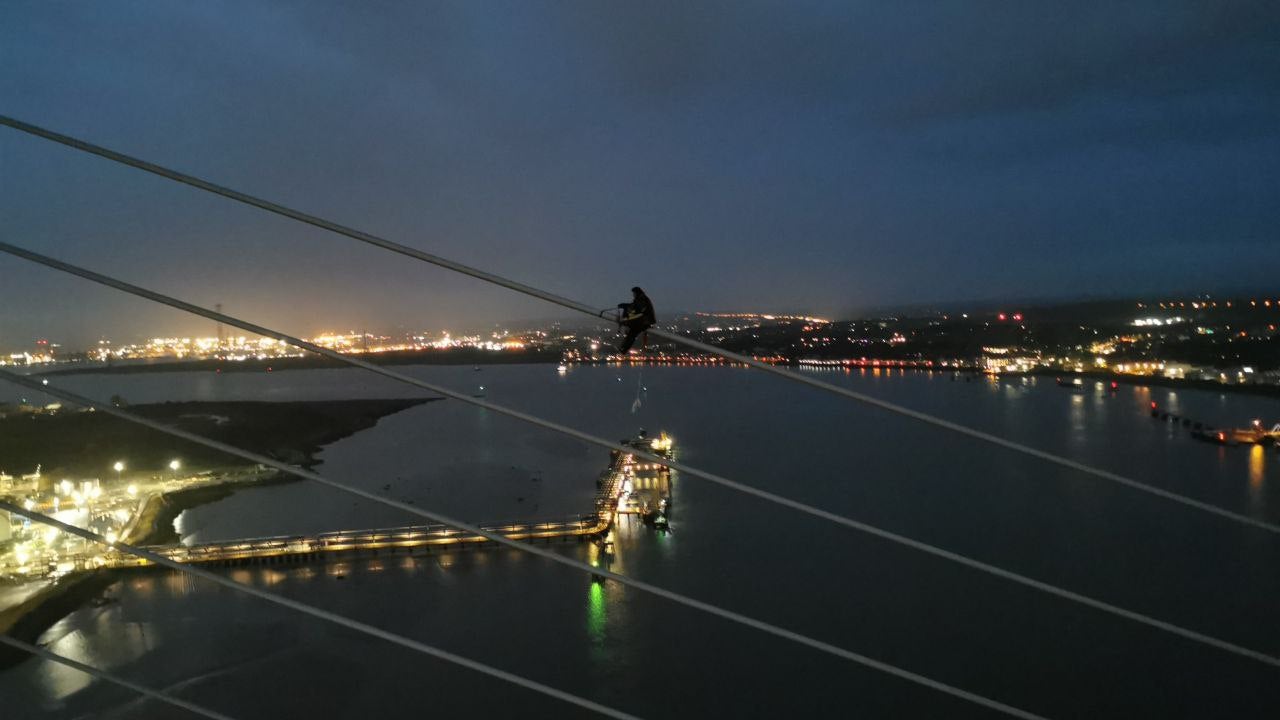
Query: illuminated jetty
<point x="625" y="487"/>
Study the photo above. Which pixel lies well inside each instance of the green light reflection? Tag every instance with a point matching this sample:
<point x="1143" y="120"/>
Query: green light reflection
<point x="595" y="613"/>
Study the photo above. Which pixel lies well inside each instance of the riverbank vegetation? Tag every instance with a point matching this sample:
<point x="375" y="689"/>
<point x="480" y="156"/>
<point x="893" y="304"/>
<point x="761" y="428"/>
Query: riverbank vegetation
<point x="87" y="444"/>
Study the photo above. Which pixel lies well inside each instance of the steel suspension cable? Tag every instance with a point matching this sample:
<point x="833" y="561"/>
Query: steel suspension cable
<point x="112" y="678"/>
<point x="322" y="614"/>
<point x="602" y="442"/>
<point x="628" y="581"/>
<point x="575" y="305"/>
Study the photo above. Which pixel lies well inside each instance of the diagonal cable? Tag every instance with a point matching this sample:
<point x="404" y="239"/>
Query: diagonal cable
<point x="562" y="301"/>
<point x="692" y="471"/>
<point x="112" y="678"/>
<point x="316" y="612"/>
<point x="505" y="541"/>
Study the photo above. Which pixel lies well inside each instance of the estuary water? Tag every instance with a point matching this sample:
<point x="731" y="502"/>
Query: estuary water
<point x="654" y="659"/>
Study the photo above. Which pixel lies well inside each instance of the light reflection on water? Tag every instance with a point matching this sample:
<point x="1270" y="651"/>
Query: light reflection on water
<point x="1257" y="476"/>
<point x="78" y="637"/>
<point x="596" y="613"/>
<point x="62" y="682"/>
<point x="1079" y="427"/>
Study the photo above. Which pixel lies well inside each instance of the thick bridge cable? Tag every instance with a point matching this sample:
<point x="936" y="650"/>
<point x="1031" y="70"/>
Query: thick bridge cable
<point x="811" y="510"/>
<point x="159" y="695"/>
<point x="473" y="529"/>
<point x="575" y="305"/>
<point x="322" y="614"/>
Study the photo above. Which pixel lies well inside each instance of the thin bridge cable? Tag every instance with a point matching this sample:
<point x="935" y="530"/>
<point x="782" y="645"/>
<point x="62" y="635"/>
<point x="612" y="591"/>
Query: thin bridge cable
<point x="691" y="471"/>
<point x="562" y="301"/>
<point x="114" y="679"/>
<point x="508" y="542"/>
<point x="321" y="614"/>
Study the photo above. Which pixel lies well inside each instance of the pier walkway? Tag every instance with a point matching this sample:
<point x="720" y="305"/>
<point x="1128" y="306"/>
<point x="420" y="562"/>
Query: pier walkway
<point x="609" y="502"/>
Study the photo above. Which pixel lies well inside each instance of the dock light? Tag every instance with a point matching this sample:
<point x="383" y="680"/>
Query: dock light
<point x="174" y="465"/>
<point x="118" y="467"/>
<point x="133" y="490"/>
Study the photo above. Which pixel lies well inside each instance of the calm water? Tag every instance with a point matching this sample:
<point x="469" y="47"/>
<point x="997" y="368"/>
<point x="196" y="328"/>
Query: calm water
<point x="643" y="655"/>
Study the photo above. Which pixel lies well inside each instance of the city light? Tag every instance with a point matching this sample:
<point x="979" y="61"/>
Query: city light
<point x="662" y="443"/>
<point x="118" y="467"/>
<point x="241" y="348"/>
<point x="174" y="465"/>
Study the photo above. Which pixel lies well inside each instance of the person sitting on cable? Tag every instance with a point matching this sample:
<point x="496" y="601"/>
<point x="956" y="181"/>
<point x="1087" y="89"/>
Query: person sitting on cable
<point x="636" y="316"/>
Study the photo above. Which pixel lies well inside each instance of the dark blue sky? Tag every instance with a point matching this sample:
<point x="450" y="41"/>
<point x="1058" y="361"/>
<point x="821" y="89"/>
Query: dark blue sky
<point x="737" y="155"/>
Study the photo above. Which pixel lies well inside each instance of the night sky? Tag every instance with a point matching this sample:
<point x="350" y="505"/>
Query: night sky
<point x="822" y="157"/>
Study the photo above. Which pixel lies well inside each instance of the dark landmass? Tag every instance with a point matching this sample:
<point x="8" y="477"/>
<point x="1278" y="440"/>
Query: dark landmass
<point x="87" y="443"/>
<point x="155" y="524"/>
<point x="454" y="356"/>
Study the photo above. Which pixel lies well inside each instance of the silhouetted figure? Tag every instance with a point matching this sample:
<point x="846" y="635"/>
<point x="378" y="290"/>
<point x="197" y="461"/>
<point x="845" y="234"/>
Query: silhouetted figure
<point x="637" y="316"/>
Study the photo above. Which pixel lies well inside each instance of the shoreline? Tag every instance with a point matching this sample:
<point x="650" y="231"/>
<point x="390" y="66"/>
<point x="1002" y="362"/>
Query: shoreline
<point x="1136" y="380"/>
<point x="1209" y="385"/>
<point x="155" y="523"/>
<point x="31" y="618"/>
<point x="463" y="356"/>
<point x="542" y="357"/>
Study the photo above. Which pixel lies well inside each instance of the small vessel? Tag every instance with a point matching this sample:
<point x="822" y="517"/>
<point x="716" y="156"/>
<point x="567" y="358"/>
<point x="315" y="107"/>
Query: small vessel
<point x="652" y="516"/>
<point x="1255" y="435"/>
<point x="1073" y="383"/>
